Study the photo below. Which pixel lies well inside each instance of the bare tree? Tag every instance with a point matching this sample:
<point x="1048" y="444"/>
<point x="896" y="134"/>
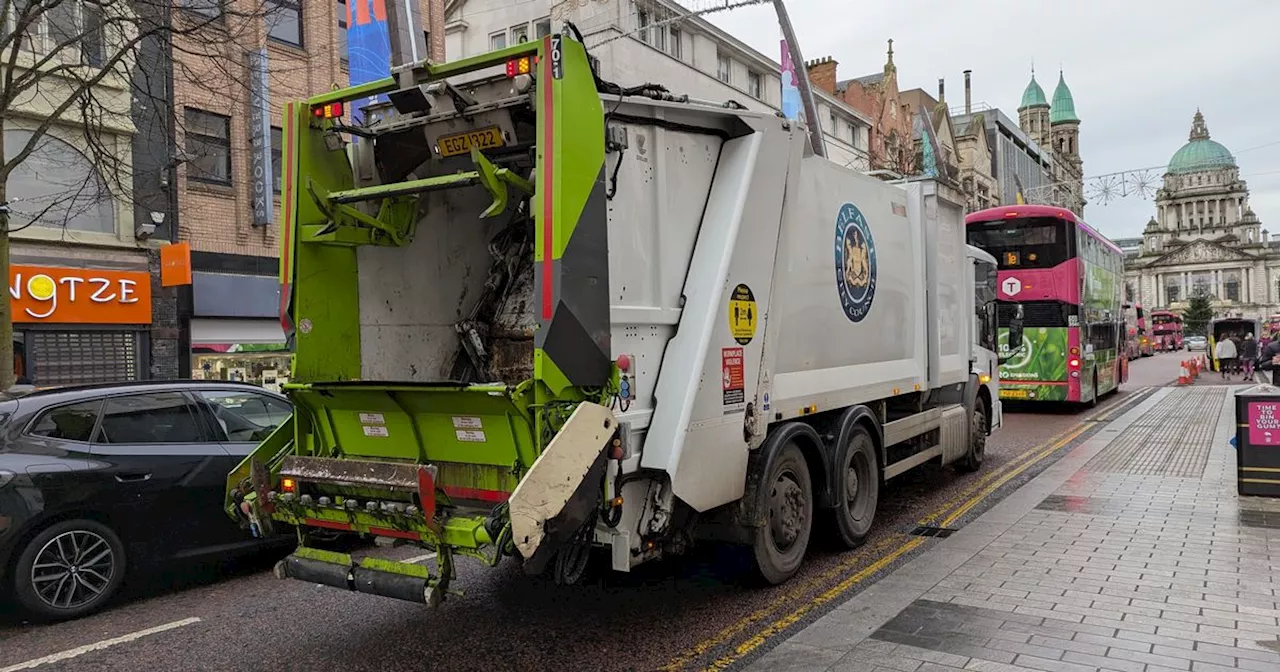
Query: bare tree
<point x="84" y="69"/>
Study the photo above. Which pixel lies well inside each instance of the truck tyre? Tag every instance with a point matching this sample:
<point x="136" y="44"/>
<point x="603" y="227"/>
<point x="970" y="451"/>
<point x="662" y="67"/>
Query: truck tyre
<point x="68" y="570"/>
<point x="972" y="460"/>
<point x="857" y="487"/>
<point x="787" y="492"/>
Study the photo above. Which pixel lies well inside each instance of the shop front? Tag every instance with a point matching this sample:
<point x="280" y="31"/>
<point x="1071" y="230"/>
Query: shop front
<point x="235" y="330"/>
<point x="80" y="325"/>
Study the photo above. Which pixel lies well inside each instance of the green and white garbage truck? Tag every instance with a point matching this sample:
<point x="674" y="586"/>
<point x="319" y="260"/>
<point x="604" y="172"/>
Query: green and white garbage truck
<point x="536" y="313"/>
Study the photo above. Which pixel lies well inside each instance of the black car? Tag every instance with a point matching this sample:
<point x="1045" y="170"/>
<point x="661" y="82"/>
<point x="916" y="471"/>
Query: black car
<point x="97" y="478"/>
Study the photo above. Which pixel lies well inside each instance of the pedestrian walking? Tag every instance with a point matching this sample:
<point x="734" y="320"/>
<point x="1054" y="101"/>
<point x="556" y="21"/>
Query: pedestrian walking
<point x="1248" y="355"/>
<point x="1266" y="363"/>
<point x="1225" y="353"/>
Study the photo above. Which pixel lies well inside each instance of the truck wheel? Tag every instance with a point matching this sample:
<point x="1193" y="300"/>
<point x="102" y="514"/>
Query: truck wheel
<point x="857" y="487"/>
<point x="69" y="570"/>
<point x="972" y="460"/>
<point x="780" y="544"/>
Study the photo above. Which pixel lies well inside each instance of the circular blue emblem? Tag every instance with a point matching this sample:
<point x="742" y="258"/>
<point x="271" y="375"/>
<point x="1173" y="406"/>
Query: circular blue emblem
<point x="855" y="262"/>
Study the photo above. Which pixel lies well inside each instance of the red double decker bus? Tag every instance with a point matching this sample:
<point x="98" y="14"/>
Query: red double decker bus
<point x="1069" y="280"/>
<point x="1166" y="328"/>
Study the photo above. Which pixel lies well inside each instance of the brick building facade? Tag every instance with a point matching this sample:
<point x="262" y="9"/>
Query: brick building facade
<point x="231" y="308"/>
<point x="877" y="97"/>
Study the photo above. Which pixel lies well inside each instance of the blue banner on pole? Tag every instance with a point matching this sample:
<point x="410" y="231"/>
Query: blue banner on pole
<point x="791" y="104"/>
<point x="368" y="48"/>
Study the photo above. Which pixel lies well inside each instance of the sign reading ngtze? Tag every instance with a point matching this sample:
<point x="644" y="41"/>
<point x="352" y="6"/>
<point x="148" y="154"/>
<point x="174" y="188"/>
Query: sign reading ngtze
<point x="78" y="295"/>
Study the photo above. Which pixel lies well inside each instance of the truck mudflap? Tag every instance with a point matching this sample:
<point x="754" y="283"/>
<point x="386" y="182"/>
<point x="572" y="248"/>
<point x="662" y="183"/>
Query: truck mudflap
<point x="561" y="494"/>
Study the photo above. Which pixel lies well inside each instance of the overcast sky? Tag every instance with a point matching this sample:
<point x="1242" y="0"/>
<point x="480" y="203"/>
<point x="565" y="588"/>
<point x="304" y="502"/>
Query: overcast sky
<point x="1138" y="70"/>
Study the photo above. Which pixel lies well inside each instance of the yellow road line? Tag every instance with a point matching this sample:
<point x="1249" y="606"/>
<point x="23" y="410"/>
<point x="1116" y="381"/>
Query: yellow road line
<point x="835" y="591"/>
<point x="1001" y="477"/>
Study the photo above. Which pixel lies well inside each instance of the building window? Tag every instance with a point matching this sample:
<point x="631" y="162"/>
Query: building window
<point x="284" y="22"/>
<point x="642" y="24"/>
<point x="724" y="68"/>
<point x="59" y="185"/>
<point x="520" y="33"/>
<point x="498" y="41"/>
<point x="676" y="49"/>
<point x="1171" y="293"/>
<point x="69" y="32"/>
<point x="277" y="158"/>
<point x="209" y="9"/>
<point x="344" y="16"/>
<point x="208" y="146"/>
<point x="542" y="28"/>
<point x="754" y="86"/>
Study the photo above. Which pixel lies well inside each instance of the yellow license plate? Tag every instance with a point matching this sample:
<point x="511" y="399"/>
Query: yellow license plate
<point x="461" y="143"/>
<point x="1013" y="394"/>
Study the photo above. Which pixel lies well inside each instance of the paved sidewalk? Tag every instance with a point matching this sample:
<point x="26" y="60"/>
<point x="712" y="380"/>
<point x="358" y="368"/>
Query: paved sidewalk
<point x="1133" y="553"/>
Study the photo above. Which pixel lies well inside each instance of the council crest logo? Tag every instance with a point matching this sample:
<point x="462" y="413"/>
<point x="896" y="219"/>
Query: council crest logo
<point x="855" y="262"/>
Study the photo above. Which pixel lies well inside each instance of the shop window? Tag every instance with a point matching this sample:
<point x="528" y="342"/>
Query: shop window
<point x="284" y="21"/>
<point x="245" y="416"/>
<point x="59" y="186"/>
<point x="73" y="422"/>
<point x="208" y="146"/>
<point x="159" y="417"/>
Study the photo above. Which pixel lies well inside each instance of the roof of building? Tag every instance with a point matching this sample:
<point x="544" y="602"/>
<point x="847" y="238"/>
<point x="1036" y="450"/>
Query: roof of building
<point x="1064" y="106"/>
<point x="1200" y="153"/>
<point x="1033" y="96"/>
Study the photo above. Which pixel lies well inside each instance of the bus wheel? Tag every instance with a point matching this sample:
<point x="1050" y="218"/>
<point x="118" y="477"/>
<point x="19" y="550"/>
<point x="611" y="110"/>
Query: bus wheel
<point x="972" y="460"/>
<point x="857" y="487"/>
<point x="780" y="544"/>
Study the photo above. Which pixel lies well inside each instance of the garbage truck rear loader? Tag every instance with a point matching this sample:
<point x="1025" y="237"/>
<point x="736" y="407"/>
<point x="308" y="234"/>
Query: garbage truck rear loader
<point x="536" y="313"/>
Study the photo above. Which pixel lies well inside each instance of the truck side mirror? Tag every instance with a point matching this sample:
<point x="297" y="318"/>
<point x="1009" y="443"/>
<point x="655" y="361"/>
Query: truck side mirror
<point x="1015" y="329"/>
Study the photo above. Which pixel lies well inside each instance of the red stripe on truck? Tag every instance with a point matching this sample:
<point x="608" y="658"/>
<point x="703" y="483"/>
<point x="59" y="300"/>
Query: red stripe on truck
<point x="476" y="493"/>
<point x="316" y="522"/>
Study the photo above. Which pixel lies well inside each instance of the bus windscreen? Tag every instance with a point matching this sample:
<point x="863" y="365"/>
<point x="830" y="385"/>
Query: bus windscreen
<point x="1035" y="242"/>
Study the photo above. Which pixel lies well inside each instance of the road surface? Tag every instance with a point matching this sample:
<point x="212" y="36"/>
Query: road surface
<point x="695" y="613"/>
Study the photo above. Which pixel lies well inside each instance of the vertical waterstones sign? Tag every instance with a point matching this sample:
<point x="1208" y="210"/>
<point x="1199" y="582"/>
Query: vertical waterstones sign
<point x="261" y="169"/>
<point x="368" y="48"/>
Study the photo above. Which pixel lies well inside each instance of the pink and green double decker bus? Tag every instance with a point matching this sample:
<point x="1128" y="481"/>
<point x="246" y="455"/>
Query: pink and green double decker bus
<point x="1069" y="280"/>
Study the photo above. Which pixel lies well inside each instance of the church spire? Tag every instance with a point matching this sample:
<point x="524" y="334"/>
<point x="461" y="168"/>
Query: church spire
<point x="889" y="67"/>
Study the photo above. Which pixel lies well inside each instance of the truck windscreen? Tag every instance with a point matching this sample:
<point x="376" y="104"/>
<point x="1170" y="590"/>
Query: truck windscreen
<point x="1033" y="242"/>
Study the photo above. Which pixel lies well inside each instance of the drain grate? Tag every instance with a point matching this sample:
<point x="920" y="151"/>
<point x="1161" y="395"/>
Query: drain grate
<point x="930" y="531"/>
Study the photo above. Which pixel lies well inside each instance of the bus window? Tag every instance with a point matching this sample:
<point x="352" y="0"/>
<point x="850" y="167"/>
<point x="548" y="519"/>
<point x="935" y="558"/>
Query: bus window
<point x="1037" y="242"/>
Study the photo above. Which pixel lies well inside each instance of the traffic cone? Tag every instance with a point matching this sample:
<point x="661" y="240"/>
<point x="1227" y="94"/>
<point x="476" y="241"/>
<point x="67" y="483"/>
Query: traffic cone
<point x="1184" y="377"/>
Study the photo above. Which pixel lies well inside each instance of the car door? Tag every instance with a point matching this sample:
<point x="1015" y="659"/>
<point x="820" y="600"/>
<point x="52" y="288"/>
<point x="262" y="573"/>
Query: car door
<point x="159" y="453"/>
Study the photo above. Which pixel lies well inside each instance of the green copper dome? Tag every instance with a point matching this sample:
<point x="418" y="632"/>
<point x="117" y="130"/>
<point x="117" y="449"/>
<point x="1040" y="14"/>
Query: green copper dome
<point x="1033" y="96"/>
<point x="1064" y="106"/>
<point x="1200" y="153"/>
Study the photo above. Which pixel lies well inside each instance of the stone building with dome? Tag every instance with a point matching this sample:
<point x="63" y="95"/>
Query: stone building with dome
<point x="1204" y="237"/>
<point x="1056" y="127"/>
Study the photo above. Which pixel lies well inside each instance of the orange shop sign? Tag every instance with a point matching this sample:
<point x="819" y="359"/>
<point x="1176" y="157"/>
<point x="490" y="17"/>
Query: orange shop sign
<point x="79" y="295"/>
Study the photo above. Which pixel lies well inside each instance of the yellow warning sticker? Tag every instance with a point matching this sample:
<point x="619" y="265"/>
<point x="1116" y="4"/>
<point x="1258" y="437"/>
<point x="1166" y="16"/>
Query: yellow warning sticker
<point x="742" y="314"/>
